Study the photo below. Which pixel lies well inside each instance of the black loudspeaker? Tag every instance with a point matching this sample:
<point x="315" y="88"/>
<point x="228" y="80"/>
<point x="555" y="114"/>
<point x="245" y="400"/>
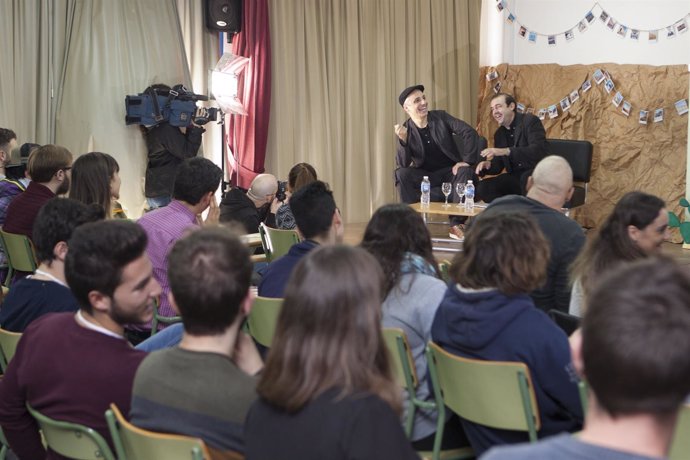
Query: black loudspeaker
<point x="224" y="15"/>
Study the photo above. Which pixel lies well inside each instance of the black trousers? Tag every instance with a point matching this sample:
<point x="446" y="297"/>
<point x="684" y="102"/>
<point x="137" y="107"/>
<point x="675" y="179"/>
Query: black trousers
<point x="410" y="181"/>
<point x="488" y="190"/>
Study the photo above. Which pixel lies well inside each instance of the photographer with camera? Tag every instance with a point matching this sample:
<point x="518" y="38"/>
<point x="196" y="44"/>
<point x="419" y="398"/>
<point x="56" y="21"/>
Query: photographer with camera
<point x="300" y="175"/>
<point x="168" y="145"/>
<point x="251" y="207"/>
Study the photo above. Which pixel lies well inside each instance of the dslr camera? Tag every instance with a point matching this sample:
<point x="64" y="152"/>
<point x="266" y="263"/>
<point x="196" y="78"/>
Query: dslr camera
<point x="177" y="106"/>
<point x="282" y="187"/>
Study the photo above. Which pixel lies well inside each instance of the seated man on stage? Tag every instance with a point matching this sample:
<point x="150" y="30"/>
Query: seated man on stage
<point x="519" y="144"/>
<point x="426" y="147"/>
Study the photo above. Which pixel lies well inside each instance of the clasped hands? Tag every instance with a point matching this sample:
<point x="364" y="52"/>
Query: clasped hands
<point x="489" y="154"/>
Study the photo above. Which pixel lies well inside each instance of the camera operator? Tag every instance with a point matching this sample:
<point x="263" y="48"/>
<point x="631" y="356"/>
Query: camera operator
<point x="167" y="147"/>
<point x="253" y="206"/>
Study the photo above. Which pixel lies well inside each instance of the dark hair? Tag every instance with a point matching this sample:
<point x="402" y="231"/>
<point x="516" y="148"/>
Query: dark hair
<point x="504" y="250"/>
<point x="6" y="136"/>
<point x="393" y="231"/>
<point x="612" y="244"/>
<point x="195" y="178"/>
<point x="92" y="174"/>
<point x="635" y="341"/>
<point x="46" y="160"/>
<point x="209" y="273"/>
<point x="313" y="207"/>
<point x="508" y="98"/>
<point x="56" y="221"/>
<point x="300" y="175"/>
<point x="329" y="338"/>
<point x="98" y="253"/>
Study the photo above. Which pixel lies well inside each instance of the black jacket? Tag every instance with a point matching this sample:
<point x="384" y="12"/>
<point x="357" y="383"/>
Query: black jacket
<point x="529" y="148"/>
<point x="237" y="207"/>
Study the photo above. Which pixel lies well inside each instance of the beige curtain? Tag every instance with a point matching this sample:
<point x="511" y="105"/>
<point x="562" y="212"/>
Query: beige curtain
<point x="338" y="67"/>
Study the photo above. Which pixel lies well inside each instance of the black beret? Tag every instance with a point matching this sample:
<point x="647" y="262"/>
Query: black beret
<point x="406" y="92"/>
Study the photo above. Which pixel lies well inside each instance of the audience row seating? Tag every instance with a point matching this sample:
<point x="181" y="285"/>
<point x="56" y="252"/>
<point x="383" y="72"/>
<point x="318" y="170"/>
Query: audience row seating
<point x="277" y="243"/>
<point x="20" y="253"/>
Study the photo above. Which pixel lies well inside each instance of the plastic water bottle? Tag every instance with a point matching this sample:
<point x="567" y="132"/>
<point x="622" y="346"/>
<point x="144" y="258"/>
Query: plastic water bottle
<point x="469" y="196"/>
<point x="426" y="192"/>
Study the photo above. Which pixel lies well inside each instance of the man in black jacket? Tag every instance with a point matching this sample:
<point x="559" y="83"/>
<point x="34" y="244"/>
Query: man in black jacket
<point x="426" y="147"/>
<point x="519" y="144"/>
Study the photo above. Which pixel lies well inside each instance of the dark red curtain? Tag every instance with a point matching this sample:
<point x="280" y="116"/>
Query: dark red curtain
<point x="248" y="134"/>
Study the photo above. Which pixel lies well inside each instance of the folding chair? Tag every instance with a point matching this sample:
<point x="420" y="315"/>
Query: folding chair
<point x="276" y="243"/>
<point x="20" y="254"/>
<point x="262" y="319"/>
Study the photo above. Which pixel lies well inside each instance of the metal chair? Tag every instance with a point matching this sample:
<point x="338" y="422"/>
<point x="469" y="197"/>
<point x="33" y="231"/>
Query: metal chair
<point x="20" y="254"/>
<point x="133" y="443"/>
<point x="158" y="318"/>
<point x="578" y="154"/>
<point x="71" y="439"/>
<point x="262" y="319"/>
<point x="277" y="243"/>
<point x="495" y="394"/>
<point x="8" y="345"/>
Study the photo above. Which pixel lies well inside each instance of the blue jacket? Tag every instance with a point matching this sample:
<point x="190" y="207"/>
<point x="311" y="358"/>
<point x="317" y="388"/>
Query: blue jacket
<point x="278" y="272"/>
<point x="493" y="326"/>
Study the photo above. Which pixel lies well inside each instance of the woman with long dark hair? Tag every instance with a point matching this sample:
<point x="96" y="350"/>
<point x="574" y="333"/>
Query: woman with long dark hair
<point x="327" y="390"/>
<point x="300" y="175"/>
<point x="96" y="180"/>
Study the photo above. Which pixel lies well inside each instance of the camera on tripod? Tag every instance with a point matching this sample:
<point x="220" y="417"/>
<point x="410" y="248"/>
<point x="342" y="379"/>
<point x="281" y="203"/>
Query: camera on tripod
<point x="176" y="105"/>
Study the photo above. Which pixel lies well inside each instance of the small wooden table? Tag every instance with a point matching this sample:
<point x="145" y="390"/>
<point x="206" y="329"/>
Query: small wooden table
<point x="452" y="210"/>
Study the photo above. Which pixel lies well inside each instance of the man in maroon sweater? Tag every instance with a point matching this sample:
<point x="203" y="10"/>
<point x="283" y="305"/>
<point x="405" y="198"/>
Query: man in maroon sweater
<point x="49" y="168"/>
<point x="72" y="366"/>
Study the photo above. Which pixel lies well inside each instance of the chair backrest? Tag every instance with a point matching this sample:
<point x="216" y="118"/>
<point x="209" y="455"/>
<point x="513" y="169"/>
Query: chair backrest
<point x="568" y="323"/>
<point x="20" y="254"/>
<point x="577" y="153"/>
<point x="263" y="318"/>
<point x="158" y="318"/>
<point x="496" y="394"/>
<point x="402" y="361"/>
<point x="276" y="243"/>
<point x="134" y="443"/>
<point x="680" y="447"/>
<point x="8" y="345"/>
<point x="444" y="267"/>
<point x="71" y="439"/>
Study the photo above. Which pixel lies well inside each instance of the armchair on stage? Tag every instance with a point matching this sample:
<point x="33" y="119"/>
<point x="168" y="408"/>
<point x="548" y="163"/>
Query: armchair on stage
<point x="579" y="157"/>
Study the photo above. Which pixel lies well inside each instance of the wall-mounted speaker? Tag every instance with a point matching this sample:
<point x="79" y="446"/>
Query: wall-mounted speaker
<point x="224" y="15"/>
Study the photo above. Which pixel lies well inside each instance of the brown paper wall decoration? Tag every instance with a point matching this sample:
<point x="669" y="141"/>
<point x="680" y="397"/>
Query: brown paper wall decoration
<point x="627" y="155"/>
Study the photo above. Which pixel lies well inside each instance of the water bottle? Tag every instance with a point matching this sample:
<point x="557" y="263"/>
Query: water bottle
<point x="426" y="192"/>
<point x="469" y="196"/>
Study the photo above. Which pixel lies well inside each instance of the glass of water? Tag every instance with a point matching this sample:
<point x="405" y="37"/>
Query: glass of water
<point x="460" y="190"/>
<point x="446" y="188"/>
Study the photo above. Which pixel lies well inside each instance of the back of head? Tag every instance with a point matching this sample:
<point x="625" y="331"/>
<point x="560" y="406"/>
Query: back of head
<point x="263" y="186"/>
<point x="329" y="331"/>
<point x="209" y="273"/>
<point x="195" y="178"/>
<point x="313" y="207"/>
<point x="98" y="253"/>
<point x="553" y="176"/>
<point x="56" y="221"/>
<point x="6" y="135"/>
<point x="300" y="175"/>
<point x="92" y="174"/>
<point x="504" y="250"/>
<point x="389" y="243"/>
<point x="47" y="160"/>
<point x="635" y="341"/>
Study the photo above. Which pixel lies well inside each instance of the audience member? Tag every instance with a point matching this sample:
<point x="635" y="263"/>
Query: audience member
<point x="426" y="146"/>
<point x="8" y="142"/>
<point x="488" y="314"/>
<point x="635" y="229"/>
<point x="413" y="292"/>
<point x="549" y="187"/>
<point x="195" y="185"/>
<point x="72" y="366"/>
<point x="634" y="352"/>
<point x="318" y="221"/>
<point x="300" y="175"/>
<point x="46" y="290"/>
<point x="519" y="144"/>
<point x="251" y="207"/>
<point x="204" y="387"/>
<point x="96" y="179"/>
<point x="327" y="390"/>
<point x="49" y="168"/>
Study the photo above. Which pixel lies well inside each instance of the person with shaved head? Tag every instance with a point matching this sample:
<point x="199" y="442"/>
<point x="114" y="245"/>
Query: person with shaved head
<point x="549" y="187"/>
<point x="251" y="207"/>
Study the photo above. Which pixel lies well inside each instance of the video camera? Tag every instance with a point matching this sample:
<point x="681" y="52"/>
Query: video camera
<point x="177" y="106"/>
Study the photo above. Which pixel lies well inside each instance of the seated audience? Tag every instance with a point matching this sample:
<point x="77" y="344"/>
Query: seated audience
<point x="327" y="390"/>
<point x="548" y="189"/>
<point x="251" y="207"/>
<point x="634" y="352"/>
<point x="96" y="179"/>
<point x="203" y="387"/>
<point x="49" y="168"/>
<point x="300" y="175"/>
<point x="72" y="366"/>
<point x="413" y="292"/>
<point x="635" y="229"/>
<point x="488" y="314"/>
<point x="195" y="185"/>
<point x="46" y="290"/>
<point x="318" y="221"/>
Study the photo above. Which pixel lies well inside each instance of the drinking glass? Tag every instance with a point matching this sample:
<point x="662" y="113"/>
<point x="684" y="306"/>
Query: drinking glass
<point x="446" y="188"/>
<point x="460" y="190"/>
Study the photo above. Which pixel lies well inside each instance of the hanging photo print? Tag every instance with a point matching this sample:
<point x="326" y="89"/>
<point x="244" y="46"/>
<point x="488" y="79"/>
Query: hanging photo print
<point x="599" y="76"/>
<point x="617" y="99"/>
<point x="574" y="96"/>
<point x="586" y="86"/>
<point x="608" y="86"/>
<point x="644" y="114"/>
<point x="625" y="108"/>
<point x="658" y="115"/>
<point x="553" y="111"/>
<point x="681" y="107"/>
<point x="542" y="114"/>
<point x="565" y="104"/>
